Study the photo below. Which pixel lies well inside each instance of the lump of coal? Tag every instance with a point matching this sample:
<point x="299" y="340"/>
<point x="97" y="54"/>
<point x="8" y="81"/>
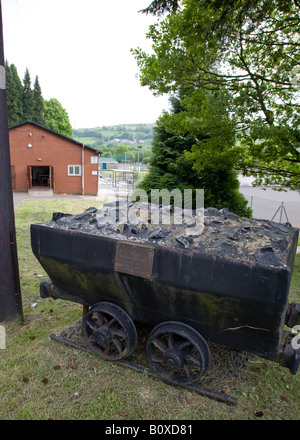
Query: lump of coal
<point x="59" y="216"/>
<point x="156" y="235"/>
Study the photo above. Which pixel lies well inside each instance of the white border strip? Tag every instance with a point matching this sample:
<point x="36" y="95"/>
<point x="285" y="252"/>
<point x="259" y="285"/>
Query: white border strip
<point x="2" y="78"/>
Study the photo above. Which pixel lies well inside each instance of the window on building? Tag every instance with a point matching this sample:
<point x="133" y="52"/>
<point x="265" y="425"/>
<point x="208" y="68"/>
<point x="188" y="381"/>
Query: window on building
<point x="74" y="170"/>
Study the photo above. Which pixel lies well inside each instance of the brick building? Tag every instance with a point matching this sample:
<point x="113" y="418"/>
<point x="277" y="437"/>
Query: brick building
<point x="42" y="158"/>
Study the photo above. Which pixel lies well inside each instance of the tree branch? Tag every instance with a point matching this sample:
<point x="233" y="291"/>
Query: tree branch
<point x="267" y="113"/>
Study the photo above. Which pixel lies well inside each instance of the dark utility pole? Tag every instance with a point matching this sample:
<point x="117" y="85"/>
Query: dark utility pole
<point x="10" y="290"/>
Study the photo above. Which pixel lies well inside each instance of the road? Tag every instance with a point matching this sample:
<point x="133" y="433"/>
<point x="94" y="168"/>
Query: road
<point x="266" y="202"/>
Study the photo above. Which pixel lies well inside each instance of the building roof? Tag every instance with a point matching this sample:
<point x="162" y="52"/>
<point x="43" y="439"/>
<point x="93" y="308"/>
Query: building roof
<point x="54" y="132"/>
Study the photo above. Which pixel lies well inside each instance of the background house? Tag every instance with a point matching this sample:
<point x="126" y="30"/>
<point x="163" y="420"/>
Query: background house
<point x="107" y="163"/>
<point x="42" y="158"/>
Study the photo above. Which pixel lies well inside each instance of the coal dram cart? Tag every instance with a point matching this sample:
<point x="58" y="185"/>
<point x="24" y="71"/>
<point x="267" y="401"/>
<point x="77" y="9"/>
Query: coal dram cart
<point x="228" y="284"/>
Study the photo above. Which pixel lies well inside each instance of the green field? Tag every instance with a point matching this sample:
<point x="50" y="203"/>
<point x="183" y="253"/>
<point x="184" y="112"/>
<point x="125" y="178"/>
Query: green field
<point x="86" y="140"/>
<point x="42" y="379"/>
<point x="101" y="136"/>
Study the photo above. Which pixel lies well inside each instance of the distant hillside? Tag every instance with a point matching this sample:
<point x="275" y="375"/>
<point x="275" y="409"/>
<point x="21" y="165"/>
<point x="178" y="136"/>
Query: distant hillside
<point x="125" y="134"/>
<point x="118" y="141"/>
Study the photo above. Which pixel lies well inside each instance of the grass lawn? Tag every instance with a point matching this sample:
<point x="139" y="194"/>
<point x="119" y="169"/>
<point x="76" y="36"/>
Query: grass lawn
<point x="44" y="379"/>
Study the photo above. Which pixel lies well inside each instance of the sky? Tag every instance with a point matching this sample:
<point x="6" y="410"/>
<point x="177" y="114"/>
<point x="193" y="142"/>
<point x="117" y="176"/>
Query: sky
<point x="80" y="51"/>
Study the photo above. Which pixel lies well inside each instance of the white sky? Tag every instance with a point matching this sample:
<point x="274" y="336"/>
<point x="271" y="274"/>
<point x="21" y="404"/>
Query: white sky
<point x="80" y="51"/>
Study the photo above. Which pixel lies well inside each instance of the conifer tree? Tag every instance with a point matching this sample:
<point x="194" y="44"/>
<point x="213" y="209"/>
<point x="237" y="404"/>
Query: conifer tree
<point x="38" y="103"/>
<point x="24" y="103"/>
<point x="170" y="167"/>
<point x="28" y="97"/>
<point x="14" y="94"/>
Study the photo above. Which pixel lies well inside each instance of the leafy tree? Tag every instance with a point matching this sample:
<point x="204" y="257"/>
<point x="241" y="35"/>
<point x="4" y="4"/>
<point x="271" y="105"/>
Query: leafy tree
<point x="38" y="103"/>
<point x="250" y="49"/>
<point x="14" y="94"/>
<point x="56" y="117"/>
<point x="227" y="8"/>
<point x="121" y="149"/>
<point x="28" y="97"/>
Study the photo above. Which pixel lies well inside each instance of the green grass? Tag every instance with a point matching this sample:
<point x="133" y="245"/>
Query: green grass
<point x="43" y="379"/>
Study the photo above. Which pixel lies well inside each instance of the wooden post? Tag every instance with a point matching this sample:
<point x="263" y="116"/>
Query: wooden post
<point x="10" y="290"/>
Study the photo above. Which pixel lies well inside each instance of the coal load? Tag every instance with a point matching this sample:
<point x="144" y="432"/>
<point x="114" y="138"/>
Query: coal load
<point x="209" y="231"/>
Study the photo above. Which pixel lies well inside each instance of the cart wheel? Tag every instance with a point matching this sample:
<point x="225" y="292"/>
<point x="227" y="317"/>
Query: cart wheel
<point x="109" y="331"/>
<point x="178" y="353"/>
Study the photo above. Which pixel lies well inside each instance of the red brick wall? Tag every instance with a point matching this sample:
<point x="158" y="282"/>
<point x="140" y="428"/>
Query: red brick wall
<point x="49" y="149"/>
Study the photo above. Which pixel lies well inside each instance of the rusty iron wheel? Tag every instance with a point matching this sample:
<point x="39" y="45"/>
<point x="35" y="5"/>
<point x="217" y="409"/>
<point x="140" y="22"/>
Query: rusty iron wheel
<point x="109" y="331"/>
<point x="178" y="353"/>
